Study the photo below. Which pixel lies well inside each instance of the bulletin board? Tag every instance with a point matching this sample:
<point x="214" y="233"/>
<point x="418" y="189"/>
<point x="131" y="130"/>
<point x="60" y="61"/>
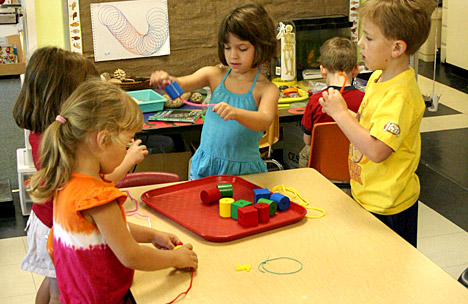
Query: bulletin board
<point x="193" y="27"/>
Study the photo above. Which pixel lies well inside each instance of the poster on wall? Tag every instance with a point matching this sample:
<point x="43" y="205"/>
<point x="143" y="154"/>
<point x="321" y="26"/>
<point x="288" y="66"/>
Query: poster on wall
<point x="354" y="18"/>
<point x="130" y="29"/>
<point x="74" y="26"/>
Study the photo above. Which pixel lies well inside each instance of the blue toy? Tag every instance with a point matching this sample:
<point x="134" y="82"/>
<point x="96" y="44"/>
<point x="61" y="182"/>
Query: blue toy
<point x="261" y="193"/>
<point x="282" y="200"/>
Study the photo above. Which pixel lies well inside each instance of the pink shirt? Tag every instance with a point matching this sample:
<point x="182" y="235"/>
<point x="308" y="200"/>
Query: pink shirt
<point x="87" y="269"/>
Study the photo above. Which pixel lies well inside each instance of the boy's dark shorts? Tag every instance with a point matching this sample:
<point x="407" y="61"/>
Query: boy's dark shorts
<point x="404" y="223"/>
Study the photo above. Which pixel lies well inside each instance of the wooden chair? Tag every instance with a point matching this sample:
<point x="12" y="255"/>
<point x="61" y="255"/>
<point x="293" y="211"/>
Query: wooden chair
<point x="270" y="137"/>
<point x="136" y="179"/>
<point x="329" y="149"/>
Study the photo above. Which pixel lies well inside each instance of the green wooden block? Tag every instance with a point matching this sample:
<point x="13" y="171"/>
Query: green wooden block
<point x="225" y="189"/>
<point x="238" y="204"/>
<point x="273" y="205"/>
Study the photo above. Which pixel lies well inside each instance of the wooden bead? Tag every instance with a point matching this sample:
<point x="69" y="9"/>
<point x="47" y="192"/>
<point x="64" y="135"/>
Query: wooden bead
<point x="247" y="216"/>
<point x="210" y="195"/>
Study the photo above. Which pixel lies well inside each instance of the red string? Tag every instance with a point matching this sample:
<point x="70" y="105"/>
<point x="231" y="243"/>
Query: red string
<point x="185" y="292"/>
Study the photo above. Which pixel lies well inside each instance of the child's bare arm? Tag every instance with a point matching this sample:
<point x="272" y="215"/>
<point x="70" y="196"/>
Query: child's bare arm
<point x="259" y="120"/>
<point x="334" y="105"/>
<point x="307" y="139"/>
<point x="108" y="219"/>
<point x="159" y="239"/>
<point x="135" y="155"/>
<point x="195" y="81"/>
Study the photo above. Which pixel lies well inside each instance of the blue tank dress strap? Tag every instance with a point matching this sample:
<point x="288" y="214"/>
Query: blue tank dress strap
<point x="227" y="147"/>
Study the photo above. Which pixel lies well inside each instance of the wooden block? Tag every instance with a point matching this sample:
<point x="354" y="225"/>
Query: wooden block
<point x="282" y="200"/>
<point x="273" y="205"/>
<point x="210" y="195"/>
<point x="225" y="189"/>
<point x="236" y="205"/>
<point x="263" y="212"/>
<point x="225" y="206"/>
<point x="261" y="193"/>
<point x="247" y="216"/>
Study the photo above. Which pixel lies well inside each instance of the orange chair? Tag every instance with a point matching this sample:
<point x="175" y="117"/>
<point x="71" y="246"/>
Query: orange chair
<point x="329" y="149"/>
<point x="270" y="137"/>
<point x="136" y="179"/>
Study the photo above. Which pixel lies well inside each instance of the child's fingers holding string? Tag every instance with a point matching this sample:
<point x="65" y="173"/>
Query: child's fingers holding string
<point x="188" y="258"/>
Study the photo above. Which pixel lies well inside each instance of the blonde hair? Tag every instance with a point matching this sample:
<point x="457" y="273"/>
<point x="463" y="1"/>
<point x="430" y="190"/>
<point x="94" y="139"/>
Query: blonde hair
<point x="407" y="20"/>
<point x="94" y="106"/>
<point x="52" y="74"/>
<point x="338" y="54"/>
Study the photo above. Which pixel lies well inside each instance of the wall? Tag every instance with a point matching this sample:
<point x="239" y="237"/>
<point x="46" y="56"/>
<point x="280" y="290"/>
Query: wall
<point x="50" y="27"/>
<point x="43" y="24"/>
<point x="457" y="39"/>
<point x="12" y="137"/>
<point x="193" y="28"/>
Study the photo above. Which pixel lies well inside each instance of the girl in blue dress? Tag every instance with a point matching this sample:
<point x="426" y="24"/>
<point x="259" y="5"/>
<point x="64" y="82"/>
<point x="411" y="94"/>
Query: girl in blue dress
<point x="245" y="100"/>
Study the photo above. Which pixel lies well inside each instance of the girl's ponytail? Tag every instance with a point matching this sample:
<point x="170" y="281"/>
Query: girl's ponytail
<point x="56" y="162"/>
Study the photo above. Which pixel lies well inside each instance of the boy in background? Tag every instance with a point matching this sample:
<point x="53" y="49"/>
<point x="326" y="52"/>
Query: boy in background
<point x="337" y="55"/>
<point x="385" y="140"/>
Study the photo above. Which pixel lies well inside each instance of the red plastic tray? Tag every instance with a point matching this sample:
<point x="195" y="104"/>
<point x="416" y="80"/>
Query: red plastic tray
<point x="182" y="204"/>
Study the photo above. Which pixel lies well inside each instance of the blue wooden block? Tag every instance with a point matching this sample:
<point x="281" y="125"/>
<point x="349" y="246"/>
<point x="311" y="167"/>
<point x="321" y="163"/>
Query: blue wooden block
<point x="261" y="193"/>
<point x="282" y="201"/>
<point x="173" y="90"/>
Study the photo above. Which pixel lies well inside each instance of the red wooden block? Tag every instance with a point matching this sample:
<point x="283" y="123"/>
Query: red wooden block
<point x="210" y="195"/>
<point x="247" y="216"/>
<point x="263" y="212"/>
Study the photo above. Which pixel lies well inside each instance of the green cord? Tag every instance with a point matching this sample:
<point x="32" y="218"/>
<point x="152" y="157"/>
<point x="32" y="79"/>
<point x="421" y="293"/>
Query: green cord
<point x="262" y="265"/>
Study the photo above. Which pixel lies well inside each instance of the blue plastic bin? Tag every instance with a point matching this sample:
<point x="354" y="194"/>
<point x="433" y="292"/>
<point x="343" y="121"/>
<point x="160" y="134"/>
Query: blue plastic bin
<point x="148" y="100"/>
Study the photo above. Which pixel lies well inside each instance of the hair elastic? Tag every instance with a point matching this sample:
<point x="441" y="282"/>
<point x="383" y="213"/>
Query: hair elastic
<point x="60" y="119"/>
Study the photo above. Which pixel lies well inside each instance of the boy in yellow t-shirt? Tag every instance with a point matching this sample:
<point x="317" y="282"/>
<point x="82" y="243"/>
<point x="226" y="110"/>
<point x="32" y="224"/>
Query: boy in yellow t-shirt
<point x="385" y="139"/>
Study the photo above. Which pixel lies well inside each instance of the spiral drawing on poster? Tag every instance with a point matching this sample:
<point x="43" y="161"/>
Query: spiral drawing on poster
<point x="135" y="42"/>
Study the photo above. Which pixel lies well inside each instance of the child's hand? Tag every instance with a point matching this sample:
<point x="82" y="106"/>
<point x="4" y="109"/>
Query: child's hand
<point x="164" y="240"/>
<point x="225" y="111"/>
<point x="332" y="102"/>
<point x="136" y="153"/>
<point x="160" y="79"/>
<point x="186" y="257"/>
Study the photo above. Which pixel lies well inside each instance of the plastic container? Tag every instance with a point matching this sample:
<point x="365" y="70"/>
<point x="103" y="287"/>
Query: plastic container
<point x="148" y="100"/>
<point x="312" y="33"/>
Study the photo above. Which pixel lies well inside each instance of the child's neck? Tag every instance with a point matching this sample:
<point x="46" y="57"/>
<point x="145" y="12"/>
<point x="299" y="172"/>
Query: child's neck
<point x="336" y="80"/>
<point x="85" y="163"/>
<point x="240" y="83"/>
<point x="247" y="75"/>
<point x="396" y="67"/>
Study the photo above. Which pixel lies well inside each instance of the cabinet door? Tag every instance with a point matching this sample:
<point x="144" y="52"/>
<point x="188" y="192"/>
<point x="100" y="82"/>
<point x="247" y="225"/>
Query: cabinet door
<point x="457" y="37"/>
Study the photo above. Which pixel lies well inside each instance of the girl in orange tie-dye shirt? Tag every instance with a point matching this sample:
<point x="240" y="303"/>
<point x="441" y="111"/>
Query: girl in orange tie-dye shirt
<point x="95" y="249"/>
